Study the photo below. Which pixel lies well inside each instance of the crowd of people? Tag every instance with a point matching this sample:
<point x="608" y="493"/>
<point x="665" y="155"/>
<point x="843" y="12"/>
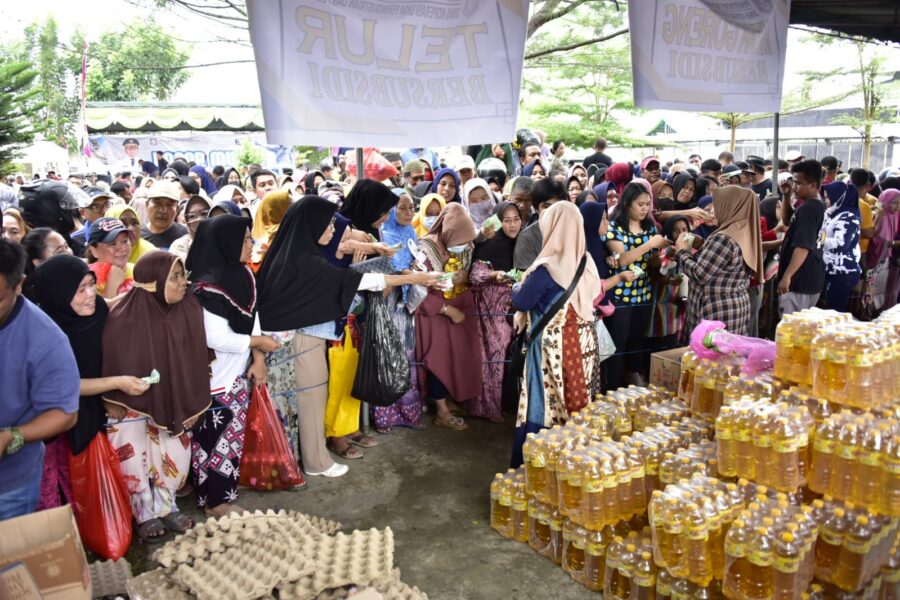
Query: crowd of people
<point x="218" y="281"/>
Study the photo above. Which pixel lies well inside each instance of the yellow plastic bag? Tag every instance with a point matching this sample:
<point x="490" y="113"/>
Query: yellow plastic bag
<point x="342" y="410"/>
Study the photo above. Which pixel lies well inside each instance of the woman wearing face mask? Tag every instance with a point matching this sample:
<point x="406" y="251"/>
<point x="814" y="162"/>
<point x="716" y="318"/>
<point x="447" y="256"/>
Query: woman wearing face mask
<point x="448" y="344"/>
<point x="429" y="209"/>
<point x="632" y="239"/>
<point x="109" y="247"/>
<point x="398" y="229"/>
<point x="66" y="290"/>
<point x="492" y="293"/>
<point x="479" y="200"/>
<point x="195" y="212"/>
<point x="156" y="326"/>
<point x="668" y="201"/>
<point x="301" y="296"/>
<point x="130" y="219"/>
<point x="446" y="184"/>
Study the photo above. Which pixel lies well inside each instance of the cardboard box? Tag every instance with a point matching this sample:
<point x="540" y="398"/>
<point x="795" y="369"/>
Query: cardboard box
<point x="48" y="543"/>
<point x="665" y="367"/>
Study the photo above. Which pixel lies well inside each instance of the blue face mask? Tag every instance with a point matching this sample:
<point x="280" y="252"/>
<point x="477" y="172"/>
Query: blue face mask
<point x="456" y="249"/>
<point x="429" y="221"/>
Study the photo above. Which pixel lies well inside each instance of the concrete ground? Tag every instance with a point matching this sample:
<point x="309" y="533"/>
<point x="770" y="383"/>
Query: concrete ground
<point x="431" y="488"/>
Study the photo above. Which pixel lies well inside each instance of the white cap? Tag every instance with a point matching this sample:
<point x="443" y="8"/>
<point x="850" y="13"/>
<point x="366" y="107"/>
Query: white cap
<point x="465" y="162"/>
<point x="793" y="155"/>
<point x="785" y="178"/>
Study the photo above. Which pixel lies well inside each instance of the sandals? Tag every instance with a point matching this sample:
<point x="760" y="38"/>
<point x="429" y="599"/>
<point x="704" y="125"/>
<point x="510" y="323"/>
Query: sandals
<point x="152" y="531"/>
<point x="349" y="453"/>
<point x="363" y="441"/>
<point x="177" y="522"/>
<point x="454" y="423"/>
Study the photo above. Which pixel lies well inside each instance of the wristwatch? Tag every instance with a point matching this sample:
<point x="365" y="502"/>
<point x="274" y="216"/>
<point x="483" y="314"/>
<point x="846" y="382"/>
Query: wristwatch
<point x="17" y="441"/>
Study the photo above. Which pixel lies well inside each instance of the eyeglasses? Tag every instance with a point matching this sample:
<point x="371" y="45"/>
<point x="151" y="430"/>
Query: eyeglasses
<point x="99" y="208"/>
<point x="196" y="215"/>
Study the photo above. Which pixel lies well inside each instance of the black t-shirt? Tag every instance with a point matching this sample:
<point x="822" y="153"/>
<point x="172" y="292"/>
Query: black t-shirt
<point x="165" y="239"/>
<point x="762" y="188"/>
<point x="805" y="231"/>
<point x="597" y="158"/>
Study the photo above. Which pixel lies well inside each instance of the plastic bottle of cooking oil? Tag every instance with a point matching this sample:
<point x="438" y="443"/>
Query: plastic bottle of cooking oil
<point x="643" y="579"/>
<point x="890" y="496"/>
<point x="638" y="484"/>
<point x="786" y="565"/>
<point x="686" y="383"/>
<point x="763" y="430"/>
<point x="759" y="585"/>
<point x="784" y="348"/>
<point x="806" y="330"/>
<point x="828" y="546"/>
<point x="704" y="388"/>
<point x="745" y="454"/>
<point x="822" y="469"/>
<point x="568" y="481"/>
<point x="501" y="503"/>
<point x="785" y="467"/>
<point x="845" y="456"/>
<point x="574" y="539"/>
<point x="725" y="444"/>
<point x="616" y="583"/>
<point x="519" y="513"/>
<point x="664" y="583"/>
<point x="591" y="511"/>
<point x="870" y="471"/>
<point x="534" y="455"/>
<point x="737" y="565"/>
<point x="595" y="547"/>
<point x="538" y="526"/>
<point x="850" y="573"/>
<point x="696" y="546"/>
<point x="554" y="548"/>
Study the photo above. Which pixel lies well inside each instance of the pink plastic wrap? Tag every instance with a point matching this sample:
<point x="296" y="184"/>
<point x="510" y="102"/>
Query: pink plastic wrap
<point x="711" y="340"/>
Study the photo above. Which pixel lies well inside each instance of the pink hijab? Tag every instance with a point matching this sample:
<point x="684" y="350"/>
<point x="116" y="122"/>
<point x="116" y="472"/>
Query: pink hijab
<point x="564" y="245"/>
<point x="880" y="246"/>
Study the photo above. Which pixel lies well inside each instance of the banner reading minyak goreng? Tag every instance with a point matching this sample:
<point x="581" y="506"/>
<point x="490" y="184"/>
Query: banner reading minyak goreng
<point x="708" y="55"/>
<point x="400" y="73"/>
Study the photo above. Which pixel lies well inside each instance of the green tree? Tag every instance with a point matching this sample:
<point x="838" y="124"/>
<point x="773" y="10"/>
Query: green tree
<point x="17" y="97"/>
<point x="140" y="63"/>
<point x="310" y="157"/>
<point x="249" y="154"/>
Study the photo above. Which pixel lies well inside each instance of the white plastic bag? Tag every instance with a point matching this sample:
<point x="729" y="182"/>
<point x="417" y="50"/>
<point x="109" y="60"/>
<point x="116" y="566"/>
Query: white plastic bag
<point x="605" y="345"/>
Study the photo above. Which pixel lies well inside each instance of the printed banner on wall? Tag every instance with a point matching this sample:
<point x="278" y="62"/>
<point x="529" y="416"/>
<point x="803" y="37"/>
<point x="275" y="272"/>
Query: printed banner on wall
<point x="389" y="72"/>
<point x="708" y="55"/>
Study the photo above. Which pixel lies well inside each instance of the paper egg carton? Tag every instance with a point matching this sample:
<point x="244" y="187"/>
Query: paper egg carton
<point x="390" y="589"/>
<point x="109" y="577"/>
<point x="246" y="571"/>
<point x="358" y="558"/>
<point x="156" y="585"/>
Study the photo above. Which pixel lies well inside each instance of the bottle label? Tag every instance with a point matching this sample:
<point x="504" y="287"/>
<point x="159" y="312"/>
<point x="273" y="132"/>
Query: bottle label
<point x="741" y="435"/>
<point x="673" y="528"/>
<point x="863" y="359"/>
<point x="520" y="506"/>
<point x="505" y="501"/>
<point x="785" y="446"/>
<point x="857" y="546"/>
<point x="697" y="533"/>
<point x="892" y="466"/>
<point x="538" y="461"/>
<point x="831" y="538"/>
<point x="820" y="352"/>
<point x="723" y="433"/>
<point x="847" y="452"/>
<point x="786" y="564"/>
<point x="593" y="486"/>
<point x="760" y="560"/>
<point x="736" y="550"/>
<point x="644" y="580"/>
<point x="869" y="458"/>
<point x="762" y="441"/>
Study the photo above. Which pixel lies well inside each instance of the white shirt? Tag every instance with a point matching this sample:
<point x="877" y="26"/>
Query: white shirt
<point x="232" y="351"/>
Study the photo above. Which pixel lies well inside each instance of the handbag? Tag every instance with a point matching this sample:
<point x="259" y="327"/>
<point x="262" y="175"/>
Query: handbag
<point x="518" y="347"/>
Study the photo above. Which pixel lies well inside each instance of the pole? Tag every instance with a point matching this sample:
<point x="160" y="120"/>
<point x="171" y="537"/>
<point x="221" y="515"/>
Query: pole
<point x="776" y="189"/>
<point x="360" y="175"/>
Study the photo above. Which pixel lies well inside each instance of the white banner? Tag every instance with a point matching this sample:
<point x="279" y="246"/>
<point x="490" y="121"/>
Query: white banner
<point x="708" y="55"/>
<point x="399" y="73"/>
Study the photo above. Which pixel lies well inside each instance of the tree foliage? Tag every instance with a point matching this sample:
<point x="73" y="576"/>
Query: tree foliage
<point x="140" y="62"/>
<point x="17" y="97"/>
<point x="249" y="154"/>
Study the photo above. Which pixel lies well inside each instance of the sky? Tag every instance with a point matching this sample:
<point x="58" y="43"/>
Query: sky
<point x="237" y="83"/>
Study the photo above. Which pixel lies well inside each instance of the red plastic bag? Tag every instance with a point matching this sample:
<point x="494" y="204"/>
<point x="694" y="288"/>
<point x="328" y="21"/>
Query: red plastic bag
<point x="375" y="166"/>
<point x="100" y="499"/>
<point x="267" y="463"/>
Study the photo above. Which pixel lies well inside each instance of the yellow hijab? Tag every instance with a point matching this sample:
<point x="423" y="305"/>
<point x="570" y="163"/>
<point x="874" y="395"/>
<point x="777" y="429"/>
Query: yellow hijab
<point x="140" y="246"/>
<point x="418" y="221"/>
<point x="269" y="215"/>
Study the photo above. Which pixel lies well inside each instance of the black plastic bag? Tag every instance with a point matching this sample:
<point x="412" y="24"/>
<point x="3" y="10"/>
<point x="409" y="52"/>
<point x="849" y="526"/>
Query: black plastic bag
<point x="382" y="376"/>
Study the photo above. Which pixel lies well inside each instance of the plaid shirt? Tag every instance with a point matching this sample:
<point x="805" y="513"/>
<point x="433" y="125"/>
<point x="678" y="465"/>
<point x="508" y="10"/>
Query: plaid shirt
<point x="719" y="283"/>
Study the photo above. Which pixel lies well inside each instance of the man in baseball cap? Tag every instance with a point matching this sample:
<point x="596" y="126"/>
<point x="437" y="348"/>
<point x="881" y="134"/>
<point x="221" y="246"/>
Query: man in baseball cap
<point x="794" y="156"/>
<point x="161" y="230"/>
<point x="758" y="181"/>
<point x="465" y="166"/>
<point x="650" y="169"/>
<point x="91" y="206"/>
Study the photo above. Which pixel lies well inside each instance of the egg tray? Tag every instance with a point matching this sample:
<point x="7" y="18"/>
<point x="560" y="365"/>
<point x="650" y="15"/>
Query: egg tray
<point x="359" y="558"/>
<point x="156" y="585"/>
<point x="390" y="589"/>
<point x="216" y="535"/>
<point x="249" y="570"/>
<point x="109" y="577"/>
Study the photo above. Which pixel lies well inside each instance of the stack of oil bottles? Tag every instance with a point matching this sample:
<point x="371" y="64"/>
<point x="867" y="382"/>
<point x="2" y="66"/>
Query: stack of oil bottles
<point x="785" y="484"/>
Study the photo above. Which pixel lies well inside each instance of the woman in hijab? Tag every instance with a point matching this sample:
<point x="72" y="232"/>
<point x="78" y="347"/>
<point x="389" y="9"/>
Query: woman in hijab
<point x="196" y="210"/>
<point x="269" y="215"/>
<point x="312" y="181"/>
<point x="685" y="186"/>
<point x="492" y="293"/>
<point x="446" y="184"/>
<point x="587" y="196"/>
<point x="429" y="209"/>
<point x="841" y="253"/>
<point x="398" y="229"/>
<point x="575" y="188"/>
<point x="448" y="344"/>
<point x="561" y="361"/>
<point x="202" y="177"/>
<point x="535" y="170"/>
<point x="232" y="193"/>
<point x="367" y="206"/>
<point x="66" y="290"/>
<point x="669" y="201"/>
<point x="226" y="290"/>
<point x="879" y="257"/>
<point x="579" y="172"/>
<point x="226" y="207"/>
<point x="130" y="219"/>
<point x="668" y="295"/>
<point x="479" y="200"/>
<point x="301" y="296"/>
<point x="607" y="192"/>
<point x="619" y="174"/>
<point x="720" y="272"/>
<point x="705" y="187"/>
<point x="155" y="328"/>
<point x="709" y="224"/>
<point x="230" y="177"/>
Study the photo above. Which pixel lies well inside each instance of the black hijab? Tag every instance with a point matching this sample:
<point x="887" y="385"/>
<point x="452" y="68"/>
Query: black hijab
<point x="592" y="214"/>
<point x="367" y="202"/>
<point x="222" y="283"/>
<point x="669" y="226"/>
<point x="297" y="286"/>
<point x="222" y="181"/>
<point x="499" y="249"/>
<point x="702" y="188"/>
<point x="587" y="196"/>
<point x="309" y="183"/>
<point x="680" y="181"/>
<point x="55" y="282"/>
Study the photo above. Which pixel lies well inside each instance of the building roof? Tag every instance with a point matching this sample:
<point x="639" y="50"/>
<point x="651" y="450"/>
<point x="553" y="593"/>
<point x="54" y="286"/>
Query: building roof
<point x="876" y="19"/>
<point x="122" y="117"/>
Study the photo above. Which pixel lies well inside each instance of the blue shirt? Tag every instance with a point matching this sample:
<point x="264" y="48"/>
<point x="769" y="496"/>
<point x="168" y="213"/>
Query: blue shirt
<point x="426" y="154"/>
<point x="37" y="373"/>
<point x="537" y="293"/>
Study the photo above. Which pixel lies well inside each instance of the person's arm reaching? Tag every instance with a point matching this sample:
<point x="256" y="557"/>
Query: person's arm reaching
<point x="42" y="427"/>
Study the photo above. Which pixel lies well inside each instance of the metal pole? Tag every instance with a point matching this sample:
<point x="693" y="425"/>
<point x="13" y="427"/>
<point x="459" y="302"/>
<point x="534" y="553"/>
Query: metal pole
<point x="776" y="189"/>
<point x="360" y="175"/>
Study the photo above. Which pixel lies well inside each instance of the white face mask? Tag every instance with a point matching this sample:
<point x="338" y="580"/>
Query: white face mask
<point x="429" y="221"/>
<point x="456" y="249"/>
